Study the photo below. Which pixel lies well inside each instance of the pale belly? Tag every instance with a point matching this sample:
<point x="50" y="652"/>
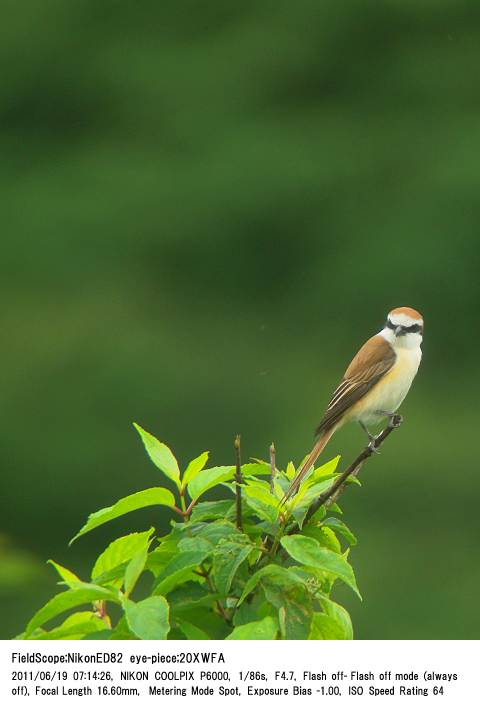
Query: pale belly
<point x="390" y="391"/>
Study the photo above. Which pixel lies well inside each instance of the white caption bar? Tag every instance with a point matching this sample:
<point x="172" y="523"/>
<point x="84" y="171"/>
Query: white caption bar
<point x="264" y="673"/>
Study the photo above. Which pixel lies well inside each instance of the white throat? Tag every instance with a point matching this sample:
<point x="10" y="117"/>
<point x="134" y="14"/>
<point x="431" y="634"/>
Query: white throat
<point x="409" y="341"/>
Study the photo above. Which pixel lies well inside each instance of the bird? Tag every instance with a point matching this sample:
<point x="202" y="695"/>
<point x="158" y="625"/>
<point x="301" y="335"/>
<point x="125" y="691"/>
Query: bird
<point x="374" y="385"/>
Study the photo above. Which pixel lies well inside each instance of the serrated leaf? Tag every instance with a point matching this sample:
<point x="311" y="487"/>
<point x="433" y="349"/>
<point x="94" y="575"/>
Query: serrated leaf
<point x="148" y="619"/>
<point x="144" y="498"/>
<point x="265" y="629"/>
<point x="308" y="552"/>
<point x="227" y="558"/>
<point x="323" y="627"/>
<point x="66" y="575"/>
<point x="83" y="593"/>
<point x="208" y="478"/>
<point x="341" y="528"/>
<point x="120" y="551"/>
<point x="160" y="455"/>
<point x="193" y="468"/>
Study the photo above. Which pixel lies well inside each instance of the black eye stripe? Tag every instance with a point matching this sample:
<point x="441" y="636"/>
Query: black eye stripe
<point x="404" y="329"/>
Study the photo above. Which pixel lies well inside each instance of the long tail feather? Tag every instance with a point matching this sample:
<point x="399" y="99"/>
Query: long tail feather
<point x="309" y="461"/>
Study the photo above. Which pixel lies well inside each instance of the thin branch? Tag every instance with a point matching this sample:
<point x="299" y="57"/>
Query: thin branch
<point x="272" y="466"/>
<point x="238" y="481"/>
<point x="338" y="487"/>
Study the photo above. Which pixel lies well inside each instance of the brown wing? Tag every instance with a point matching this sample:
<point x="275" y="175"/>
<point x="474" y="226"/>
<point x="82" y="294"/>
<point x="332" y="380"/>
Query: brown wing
<point x="370" y="364"/>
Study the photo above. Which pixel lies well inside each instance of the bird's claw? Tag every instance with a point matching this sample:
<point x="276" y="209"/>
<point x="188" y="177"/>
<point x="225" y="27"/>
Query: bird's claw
<point x="372" y="445"/>
<point x="396" y="420"/>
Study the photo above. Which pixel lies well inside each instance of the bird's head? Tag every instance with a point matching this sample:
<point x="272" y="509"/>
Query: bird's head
<point x="404" y="327"/>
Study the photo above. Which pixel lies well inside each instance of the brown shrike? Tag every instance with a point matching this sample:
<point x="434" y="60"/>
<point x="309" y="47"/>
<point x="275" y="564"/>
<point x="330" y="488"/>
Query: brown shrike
<point x="375" y="383"/>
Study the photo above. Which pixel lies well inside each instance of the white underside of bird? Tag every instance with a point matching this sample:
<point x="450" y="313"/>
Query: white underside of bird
<point x="388" y="394"/>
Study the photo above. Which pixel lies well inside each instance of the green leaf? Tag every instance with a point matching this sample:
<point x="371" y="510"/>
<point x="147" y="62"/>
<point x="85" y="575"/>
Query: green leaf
<point x="218" y="509"/>
<point x="222" y="529"/>
<point x="183" y="563"/>
<point x="144" y="498"/>
<point x="265" y="512"/>
<point x="160" y="455"/>
<point x="68" y="576"/>
<point x="134" y="569"/>
<point x="294" y="614"/>
<point x="256" y="469"/>
<point x="278" y="575"/>
<point x="265" y="629"/>
<point x="262" y="494"/>
<point x="206" y="619"/>
<point x="318" y="515"/>
<point x="83" y="593"/>
<point x="227" y="558"/>
<point x="120" y="551"/>
<point x="338" y="526"/>
<point x="191" y="631"/>
<point x="75" y="627"/>
<point x="340" y="615"/>
<point x="148" y="619"/>
<point x="122" y="631"/>
<point x="325" y="471"/>
<point x="309" y="553"/>
<point x="290" y="471"/>
<point x="257" y="609"/>
<point x="309" y="492"/>
<point x="325" y="536"/>
<point x="193" y="468"/>
<point x="323" y="627"/>
<point x="208" y="478"/>
<point x="190" y="596"/>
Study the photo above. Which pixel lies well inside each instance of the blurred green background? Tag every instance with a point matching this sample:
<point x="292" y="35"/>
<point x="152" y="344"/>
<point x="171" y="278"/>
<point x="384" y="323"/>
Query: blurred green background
<point x="206" y="208"/>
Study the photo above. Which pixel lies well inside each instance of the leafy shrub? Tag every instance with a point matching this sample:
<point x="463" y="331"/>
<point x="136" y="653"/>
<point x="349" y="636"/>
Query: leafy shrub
<point x="243" y="567"/>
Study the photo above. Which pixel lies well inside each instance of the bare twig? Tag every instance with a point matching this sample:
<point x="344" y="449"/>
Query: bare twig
<point x="338" y="487"/>
<point x="238" y="481"/>
<point x="272" y="466"/>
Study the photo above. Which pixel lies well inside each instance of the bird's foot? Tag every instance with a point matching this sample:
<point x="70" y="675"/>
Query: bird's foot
<point x="372" y="444"/>
<point x="395" y="420"/>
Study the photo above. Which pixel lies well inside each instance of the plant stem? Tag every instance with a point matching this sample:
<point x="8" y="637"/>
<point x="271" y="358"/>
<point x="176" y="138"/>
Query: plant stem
<point x="272" y="467"/>
<point x="238" y="480"/>
<point x="182" y="500"/>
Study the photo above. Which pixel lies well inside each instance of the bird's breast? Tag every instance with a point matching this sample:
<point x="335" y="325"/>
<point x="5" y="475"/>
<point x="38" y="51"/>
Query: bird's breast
<point x="390" y="391"/>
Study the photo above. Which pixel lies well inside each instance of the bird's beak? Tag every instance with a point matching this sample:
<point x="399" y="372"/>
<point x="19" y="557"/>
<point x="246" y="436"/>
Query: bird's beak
<point x="397" y="330"/>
